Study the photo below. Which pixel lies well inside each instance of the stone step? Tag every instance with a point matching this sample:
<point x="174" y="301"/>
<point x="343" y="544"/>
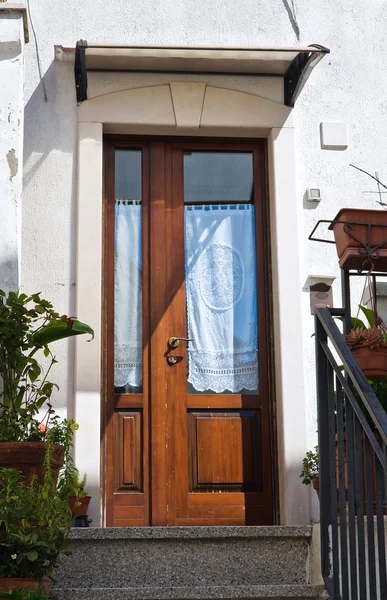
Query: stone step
<point x="261" y="592"/>
<point x="185" y="558"/>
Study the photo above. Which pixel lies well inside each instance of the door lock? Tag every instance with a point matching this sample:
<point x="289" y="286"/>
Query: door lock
<point x="171" y="360"/>
<point x="174" y="342"/>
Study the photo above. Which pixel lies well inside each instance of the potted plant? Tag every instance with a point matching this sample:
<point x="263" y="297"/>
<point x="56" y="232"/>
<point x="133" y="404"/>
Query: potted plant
<point x="34" y="527"/>
<point x="72" y="487"/>
<point x="310" y="470"/>
<point x="358" y="231"/>
<point x="39" y="593"/>
<point x="361" y="235"/>
<point x="369" y="344"/>
<point x="28" y="324"/>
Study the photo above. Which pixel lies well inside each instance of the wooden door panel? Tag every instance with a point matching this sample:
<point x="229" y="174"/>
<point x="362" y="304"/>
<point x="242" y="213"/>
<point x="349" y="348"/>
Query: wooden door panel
<point x="129" y="459"/>
<point x="127" y="504"/>
<point x="225" y="451"/>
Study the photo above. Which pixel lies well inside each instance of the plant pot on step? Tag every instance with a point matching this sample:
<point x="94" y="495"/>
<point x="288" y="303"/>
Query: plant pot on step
<point x="366" y="228"/>
<point x="316" y="485"/>
<point x="83" y="505"/>
<point x="372" y="361"/>
<point x="28" y="458"/>
<point x="26" y="583"/>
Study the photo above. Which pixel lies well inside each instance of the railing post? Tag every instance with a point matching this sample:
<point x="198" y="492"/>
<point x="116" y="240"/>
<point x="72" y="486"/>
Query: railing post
<point x="322" y="372"/>
<point x="346" y="297"/>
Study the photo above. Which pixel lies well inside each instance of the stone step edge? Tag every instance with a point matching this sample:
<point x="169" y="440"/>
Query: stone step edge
<point x="198" y="532"/>
<point x="263" y="592"/>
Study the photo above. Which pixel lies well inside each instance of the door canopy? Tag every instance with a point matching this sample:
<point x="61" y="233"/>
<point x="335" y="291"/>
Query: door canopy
<point x="293" y="64"/>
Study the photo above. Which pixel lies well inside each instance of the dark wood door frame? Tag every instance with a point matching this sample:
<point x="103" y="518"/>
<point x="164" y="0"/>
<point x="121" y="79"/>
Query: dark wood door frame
<point x="151" y="404"/>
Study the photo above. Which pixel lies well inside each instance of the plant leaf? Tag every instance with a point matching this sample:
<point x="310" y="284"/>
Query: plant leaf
<point x="369" y="315"/>
<point x="34" y="372"/>
<point x="32" y="555"/>
<point x="357" y="323"/>
<point x="60" y="330"/>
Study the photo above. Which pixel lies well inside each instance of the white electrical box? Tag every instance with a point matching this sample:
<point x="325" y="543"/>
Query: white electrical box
<point x="313" y="194"/>
<point x="333" y="136"/>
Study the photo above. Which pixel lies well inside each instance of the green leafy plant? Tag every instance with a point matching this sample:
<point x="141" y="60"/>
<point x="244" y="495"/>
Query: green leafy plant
<point x="310" y="466"/>
<point x="28" y="324"/>
<point x="71" y="484"/>
<point x="23" y="594"/>
<point x="34" y="525"/>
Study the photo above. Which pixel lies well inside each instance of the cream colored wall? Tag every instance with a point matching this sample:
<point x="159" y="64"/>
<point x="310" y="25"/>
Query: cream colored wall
<point x="204" y="107"/>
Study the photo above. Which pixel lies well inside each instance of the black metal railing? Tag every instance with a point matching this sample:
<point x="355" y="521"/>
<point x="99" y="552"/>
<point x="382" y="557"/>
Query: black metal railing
<point x="352" y="438"/>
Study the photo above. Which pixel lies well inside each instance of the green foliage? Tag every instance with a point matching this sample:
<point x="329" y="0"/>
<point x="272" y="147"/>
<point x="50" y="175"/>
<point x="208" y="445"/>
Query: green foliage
<point x="310" y="466"/>
<point x="34" y="525"/>
<point x="369" y="315"/>
<point x="380" y="389"/>
<point x="23" y="594"/>
<point x="357" y="323"/>
<point x="70" y="483"/>
<point x="58" y="330"/>
<point x="28" y="324"/>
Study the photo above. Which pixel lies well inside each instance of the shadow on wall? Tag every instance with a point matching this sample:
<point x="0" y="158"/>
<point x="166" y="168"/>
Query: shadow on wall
<point x="291" y="9"/>
<point x="50" y="125"/>
<point x="9" y="278"/>
<point x="49" y="195"/>
<point x="50" y="131"/>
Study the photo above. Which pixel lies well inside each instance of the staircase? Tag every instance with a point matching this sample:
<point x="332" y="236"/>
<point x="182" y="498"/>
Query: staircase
<point x="152" y="563"/>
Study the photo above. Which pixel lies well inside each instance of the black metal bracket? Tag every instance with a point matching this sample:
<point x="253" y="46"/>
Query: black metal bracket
<point x="80" y="71"/>
<point x="299" y="71"/>
<point x="369" y="252"/>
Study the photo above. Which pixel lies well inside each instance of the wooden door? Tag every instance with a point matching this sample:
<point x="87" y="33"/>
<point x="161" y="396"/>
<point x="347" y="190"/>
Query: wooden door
<point x="187" y="425"/>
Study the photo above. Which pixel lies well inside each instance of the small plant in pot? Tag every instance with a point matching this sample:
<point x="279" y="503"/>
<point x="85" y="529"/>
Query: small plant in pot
<point x="73" y="488"/>
<point x="369" y="344"/>
<point x="310" y="473"/>
<point x="28" y="325"/>
<point x="34" y="527"/>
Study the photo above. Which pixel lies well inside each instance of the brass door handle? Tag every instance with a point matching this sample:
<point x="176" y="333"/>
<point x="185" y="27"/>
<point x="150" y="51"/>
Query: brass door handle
<point x="174" y="342"/>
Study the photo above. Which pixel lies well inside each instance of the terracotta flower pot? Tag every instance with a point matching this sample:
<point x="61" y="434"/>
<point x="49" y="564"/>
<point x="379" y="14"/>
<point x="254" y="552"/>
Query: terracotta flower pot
<point x="316" y="485"/>
<point x="28" y="458"/>
<point x="29" y="584"/>
<point x="82" y="508"/>
<point x="372" y="361"/>
<point x="350" y="251"/>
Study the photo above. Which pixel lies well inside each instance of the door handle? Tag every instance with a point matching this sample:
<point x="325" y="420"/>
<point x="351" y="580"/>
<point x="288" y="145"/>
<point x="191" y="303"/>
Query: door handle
<point x="174" y="342"/>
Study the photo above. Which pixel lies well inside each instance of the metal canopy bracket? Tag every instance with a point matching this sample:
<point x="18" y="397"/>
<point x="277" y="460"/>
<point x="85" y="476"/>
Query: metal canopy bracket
<point x="80" y="71"/>
<point x="297" y="74"/>
<point x="293" y="64"/>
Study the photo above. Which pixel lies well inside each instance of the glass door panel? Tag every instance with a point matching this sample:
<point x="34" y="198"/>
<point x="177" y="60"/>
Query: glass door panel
<point x="128" y="273"/>
<point x="220" y="262"/>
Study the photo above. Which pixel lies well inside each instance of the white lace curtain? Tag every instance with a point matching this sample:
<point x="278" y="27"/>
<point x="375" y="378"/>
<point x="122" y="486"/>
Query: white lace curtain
<point x="127" y="295"/>
<point x="221" y="297"/>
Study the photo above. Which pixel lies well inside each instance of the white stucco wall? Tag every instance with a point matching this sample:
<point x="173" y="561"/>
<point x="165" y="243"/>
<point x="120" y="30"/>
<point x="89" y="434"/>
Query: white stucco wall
<point x="11" y="145"/>
<point x="348" y="86"/>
